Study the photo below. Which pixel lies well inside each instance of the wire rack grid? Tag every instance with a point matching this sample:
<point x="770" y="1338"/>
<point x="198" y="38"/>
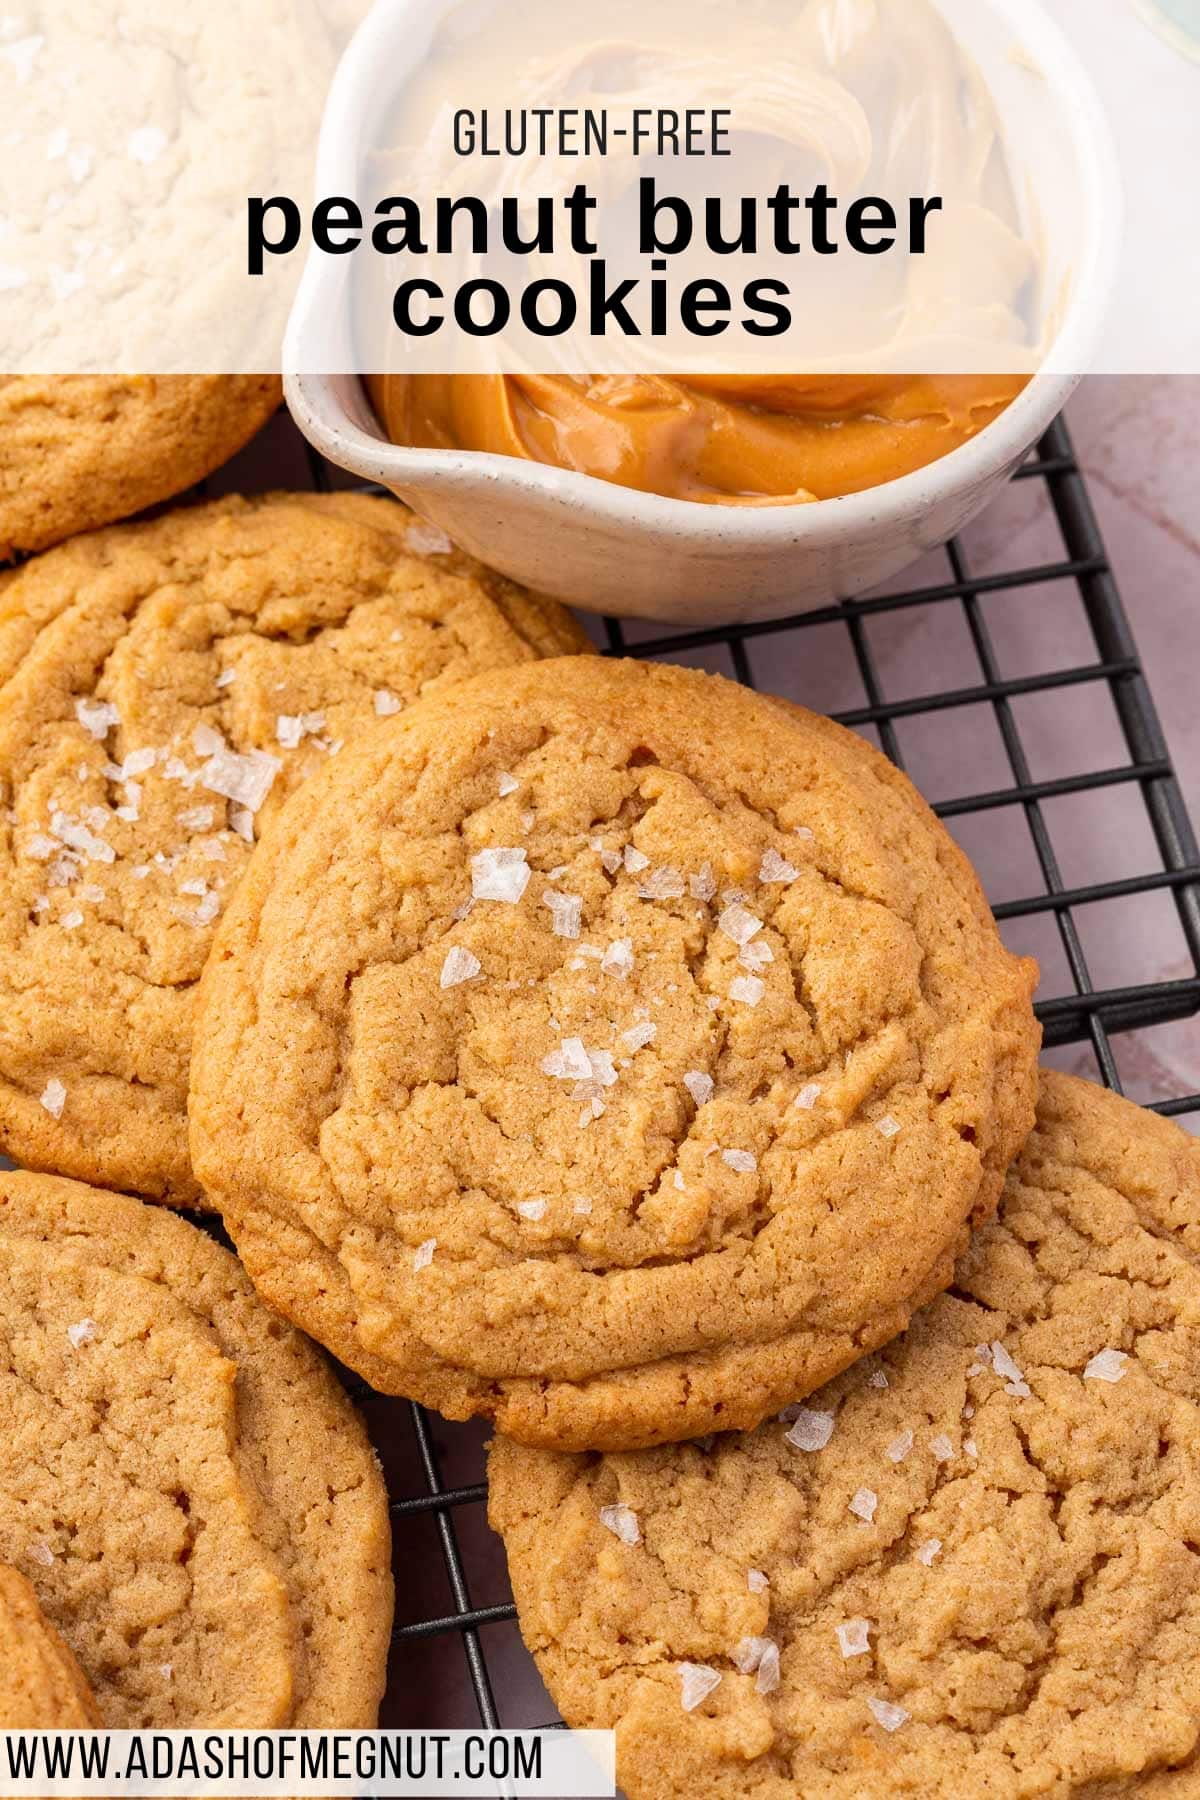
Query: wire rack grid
<point x="436" y="1469"/>
<point x="1023" y="815"/>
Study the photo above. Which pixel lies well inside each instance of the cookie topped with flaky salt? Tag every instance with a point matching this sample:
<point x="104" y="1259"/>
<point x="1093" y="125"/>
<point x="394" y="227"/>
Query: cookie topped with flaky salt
<point x="644" y="995"/>
<point x="1019" y="1617"/>
<point x="183" y="1483"/>
<point x="163" y="688"/>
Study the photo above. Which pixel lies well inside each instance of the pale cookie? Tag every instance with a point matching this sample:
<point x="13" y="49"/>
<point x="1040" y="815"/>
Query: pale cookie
<point x="967" y="1567"/>
<point x="610" y="1051"/>
<point x="162" y="688"/>
<point x="182" y="1479"/>
<point x="77" y="451"/>
<point x="42" y="1687"/>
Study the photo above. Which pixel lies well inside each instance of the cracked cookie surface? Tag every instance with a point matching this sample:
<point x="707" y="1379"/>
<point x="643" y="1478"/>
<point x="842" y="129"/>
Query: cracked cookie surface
<point x="162" y="688"/>
<point x="78" y="451"/>
<point x="608" y="1050"/>
<point x="182" y="1480"/>
<point x="42" y="1687"/>
<point x="967" y="1567"/>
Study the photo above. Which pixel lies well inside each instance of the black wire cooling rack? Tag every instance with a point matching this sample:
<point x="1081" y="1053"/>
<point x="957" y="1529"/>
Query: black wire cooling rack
<point x="1021" y="817"/>
<point x="452" y="1591"/>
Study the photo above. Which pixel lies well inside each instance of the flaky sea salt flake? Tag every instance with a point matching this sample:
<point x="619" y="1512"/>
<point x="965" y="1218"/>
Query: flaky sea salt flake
<point x="82" y="1332"/>
<point x="78" y="836"/>
<point x="98" y="717"/>
<point x="699" y="1086"/>
<point x="499" y="874"/>
<point x="768" y="1677"/>
<point x="603" y="1072"/>
<point x="887" y="1714"/>
<point x="863" y="1503"/>
<point x="756" y="1581"/>
<point x="386" y="703"/>
<point x="775" y="868"/>
<point x="246" y="780"/>
<point x="941" y="1448"/>
<point x="138" y="762"/>
<point x="853" y="1637"/>
<point x="460" y="965"/>
<point x="570" y="1062"/>
<point x="54" y="1097"/>
<point x="748" y="989"/>
<point x="899" y="1447"/>
<point x="638" y="1036"/>
<point x="926" y="1552"/>
<point x="697" y="1682"/>
<point x="887" y="1126"/>
<point x="702" y="885"/>
<point x="566" y="913"/>
<point x="1004" y="1366"/>
<point x="662" y="884"/>
<point x="41" y="1553"/>
<point x="811" y="1430"/>
<point x="618" y="958"/>
<point x="207" y="740"/>
<point x="761" y="1654"/>
<point x="739" y="923"/>
<point x="622" y="1521"/>
<point x="506" y="784"/>
<point x="743" y="1162"/>
<point x="423" y="1255"/>
<point x="1106" y="1365"/>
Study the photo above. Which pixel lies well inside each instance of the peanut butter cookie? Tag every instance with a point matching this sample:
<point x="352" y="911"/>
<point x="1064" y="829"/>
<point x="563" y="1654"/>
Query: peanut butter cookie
<point x="42" y="1687"/>
<point x="610" y="1051"/>
<point x="967" y="1567"/>
<point x="162" y="687"/>
<point x="182" y="1479"/>
<point x="78" y="451"/>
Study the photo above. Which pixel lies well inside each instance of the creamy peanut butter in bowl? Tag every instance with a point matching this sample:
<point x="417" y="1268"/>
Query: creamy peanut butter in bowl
<point x="731" y="440"/>
<point x="696" y="488"/>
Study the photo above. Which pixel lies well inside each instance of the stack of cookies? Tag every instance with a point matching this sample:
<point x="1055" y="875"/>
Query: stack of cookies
<point x="614" y="1054"/>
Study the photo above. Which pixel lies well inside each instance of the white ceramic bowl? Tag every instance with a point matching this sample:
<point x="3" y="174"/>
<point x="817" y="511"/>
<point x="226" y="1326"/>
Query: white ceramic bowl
<point x="613" y="549"/>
